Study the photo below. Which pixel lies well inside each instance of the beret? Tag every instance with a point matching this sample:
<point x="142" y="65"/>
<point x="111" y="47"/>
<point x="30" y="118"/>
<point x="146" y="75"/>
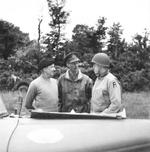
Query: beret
<point x="45" y="63"/>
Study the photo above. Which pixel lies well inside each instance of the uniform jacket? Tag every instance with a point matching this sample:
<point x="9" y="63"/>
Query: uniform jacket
<point x="106" y="95"/>
<point x="74" y="94"/>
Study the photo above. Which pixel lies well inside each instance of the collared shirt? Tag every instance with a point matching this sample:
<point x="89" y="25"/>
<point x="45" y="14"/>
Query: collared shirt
<point x="106" y="95"/>
<point x="74" y="94"/>
<point x="80" y="75"/>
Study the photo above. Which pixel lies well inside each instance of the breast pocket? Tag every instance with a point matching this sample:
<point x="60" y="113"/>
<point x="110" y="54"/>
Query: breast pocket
<point x="105" y="95"/>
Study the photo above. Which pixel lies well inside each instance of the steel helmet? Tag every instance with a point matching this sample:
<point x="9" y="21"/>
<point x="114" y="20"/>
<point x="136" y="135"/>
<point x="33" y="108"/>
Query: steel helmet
<point x="101" y="59"/>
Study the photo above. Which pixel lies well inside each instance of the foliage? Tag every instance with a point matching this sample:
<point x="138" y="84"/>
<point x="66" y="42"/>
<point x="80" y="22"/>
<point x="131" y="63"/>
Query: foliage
<point x="90" y="39"/>
<point x="58" y="19"/>
<point x="11" y="38"/>
<point x="130" y="62"/>
<point x="116" y="46"/>
<point x="5" y="76"/>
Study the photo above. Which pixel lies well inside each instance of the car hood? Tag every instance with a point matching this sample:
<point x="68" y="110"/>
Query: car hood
<point x="37" y="135"/>
<point x="7" y="126"/>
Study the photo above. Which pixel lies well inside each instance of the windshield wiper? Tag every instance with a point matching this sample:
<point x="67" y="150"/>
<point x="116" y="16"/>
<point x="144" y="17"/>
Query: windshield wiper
<point x="2" y="115"/>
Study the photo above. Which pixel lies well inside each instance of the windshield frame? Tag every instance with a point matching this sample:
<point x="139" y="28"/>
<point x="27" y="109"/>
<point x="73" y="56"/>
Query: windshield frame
<point x="64" y="115"/>
<point x="3" y="110"/>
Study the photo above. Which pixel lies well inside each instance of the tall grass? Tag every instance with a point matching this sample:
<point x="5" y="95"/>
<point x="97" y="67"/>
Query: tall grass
<point x="9" y="98"/>
<point x="137" y="104"/>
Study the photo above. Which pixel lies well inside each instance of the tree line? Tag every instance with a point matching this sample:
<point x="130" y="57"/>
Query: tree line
<point x="20" y="56"/>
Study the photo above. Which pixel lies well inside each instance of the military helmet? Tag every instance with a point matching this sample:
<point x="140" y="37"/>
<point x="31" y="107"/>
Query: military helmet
<point x="101" y="59"/>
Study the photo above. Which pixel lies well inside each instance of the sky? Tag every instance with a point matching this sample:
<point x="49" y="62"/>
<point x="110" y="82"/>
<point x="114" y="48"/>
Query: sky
<point x="133" y="15"/>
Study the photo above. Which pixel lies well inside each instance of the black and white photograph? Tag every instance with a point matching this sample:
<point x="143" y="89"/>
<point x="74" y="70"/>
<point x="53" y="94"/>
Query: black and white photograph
<point x="74" y="75"/>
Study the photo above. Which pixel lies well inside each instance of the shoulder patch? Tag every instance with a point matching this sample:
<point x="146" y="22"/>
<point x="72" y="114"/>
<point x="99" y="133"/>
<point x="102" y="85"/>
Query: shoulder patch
<point x="114" y="84"/>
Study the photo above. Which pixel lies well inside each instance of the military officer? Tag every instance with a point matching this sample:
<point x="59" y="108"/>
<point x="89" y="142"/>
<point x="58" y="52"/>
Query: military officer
<point x="106" y="92"/>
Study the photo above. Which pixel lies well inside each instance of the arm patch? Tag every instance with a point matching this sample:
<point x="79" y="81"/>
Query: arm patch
<point x="114" y="84"/>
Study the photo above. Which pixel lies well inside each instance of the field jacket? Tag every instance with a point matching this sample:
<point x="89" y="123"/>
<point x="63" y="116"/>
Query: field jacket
<point x="74" y="94"/>
<point x="106" y="95"/>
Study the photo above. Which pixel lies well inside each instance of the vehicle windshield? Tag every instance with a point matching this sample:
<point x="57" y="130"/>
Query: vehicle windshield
<point x="132" y="101"/>
<point x="3" y="111"/>
<point x="40" y="114"/>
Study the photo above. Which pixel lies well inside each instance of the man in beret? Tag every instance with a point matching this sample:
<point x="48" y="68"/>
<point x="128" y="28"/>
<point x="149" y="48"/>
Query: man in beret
<point x="74" y="87"/>
<point x="43" y="91"/>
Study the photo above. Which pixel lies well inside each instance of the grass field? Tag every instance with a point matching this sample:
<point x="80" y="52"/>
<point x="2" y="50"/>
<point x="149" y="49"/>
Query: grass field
<point x="137" y="104"/>
<point x="9" y="99"/>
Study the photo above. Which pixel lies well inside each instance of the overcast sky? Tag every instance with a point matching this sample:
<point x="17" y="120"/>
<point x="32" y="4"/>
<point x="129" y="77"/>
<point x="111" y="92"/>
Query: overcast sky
<point x="133" y="15"/>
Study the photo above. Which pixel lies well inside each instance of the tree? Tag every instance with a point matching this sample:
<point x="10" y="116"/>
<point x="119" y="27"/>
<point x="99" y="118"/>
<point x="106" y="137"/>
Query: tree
<point x="90" y="39"/>
<point x="115" y="42"/>
<point x="11" y="38"/>
<point x="141" y="48"/>
<point x="99" y="35"/>
<point x="58" y="19"/>
<point x="81" y="38"/>
<point x="39" y="32"/>
<point x="142" y="41"/>
<point x="27" y="59"/>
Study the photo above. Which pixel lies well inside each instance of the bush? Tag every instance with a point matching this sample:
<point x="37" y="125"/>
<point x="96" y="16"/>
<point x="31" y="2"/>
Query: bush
<point x="135" y="81"/>
<point x="6" y="83"/>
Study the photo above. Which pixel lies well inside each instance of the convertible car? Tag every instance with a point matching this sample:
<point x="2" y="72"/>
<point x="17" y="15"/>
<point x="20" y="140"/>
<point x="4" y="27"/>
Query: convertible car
<point x="72" y="132"/>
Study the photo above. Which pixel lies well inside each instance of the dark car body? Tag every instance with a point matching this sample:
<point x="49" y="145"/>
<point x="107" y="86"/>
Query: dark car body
<point x="55" y="132"/>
